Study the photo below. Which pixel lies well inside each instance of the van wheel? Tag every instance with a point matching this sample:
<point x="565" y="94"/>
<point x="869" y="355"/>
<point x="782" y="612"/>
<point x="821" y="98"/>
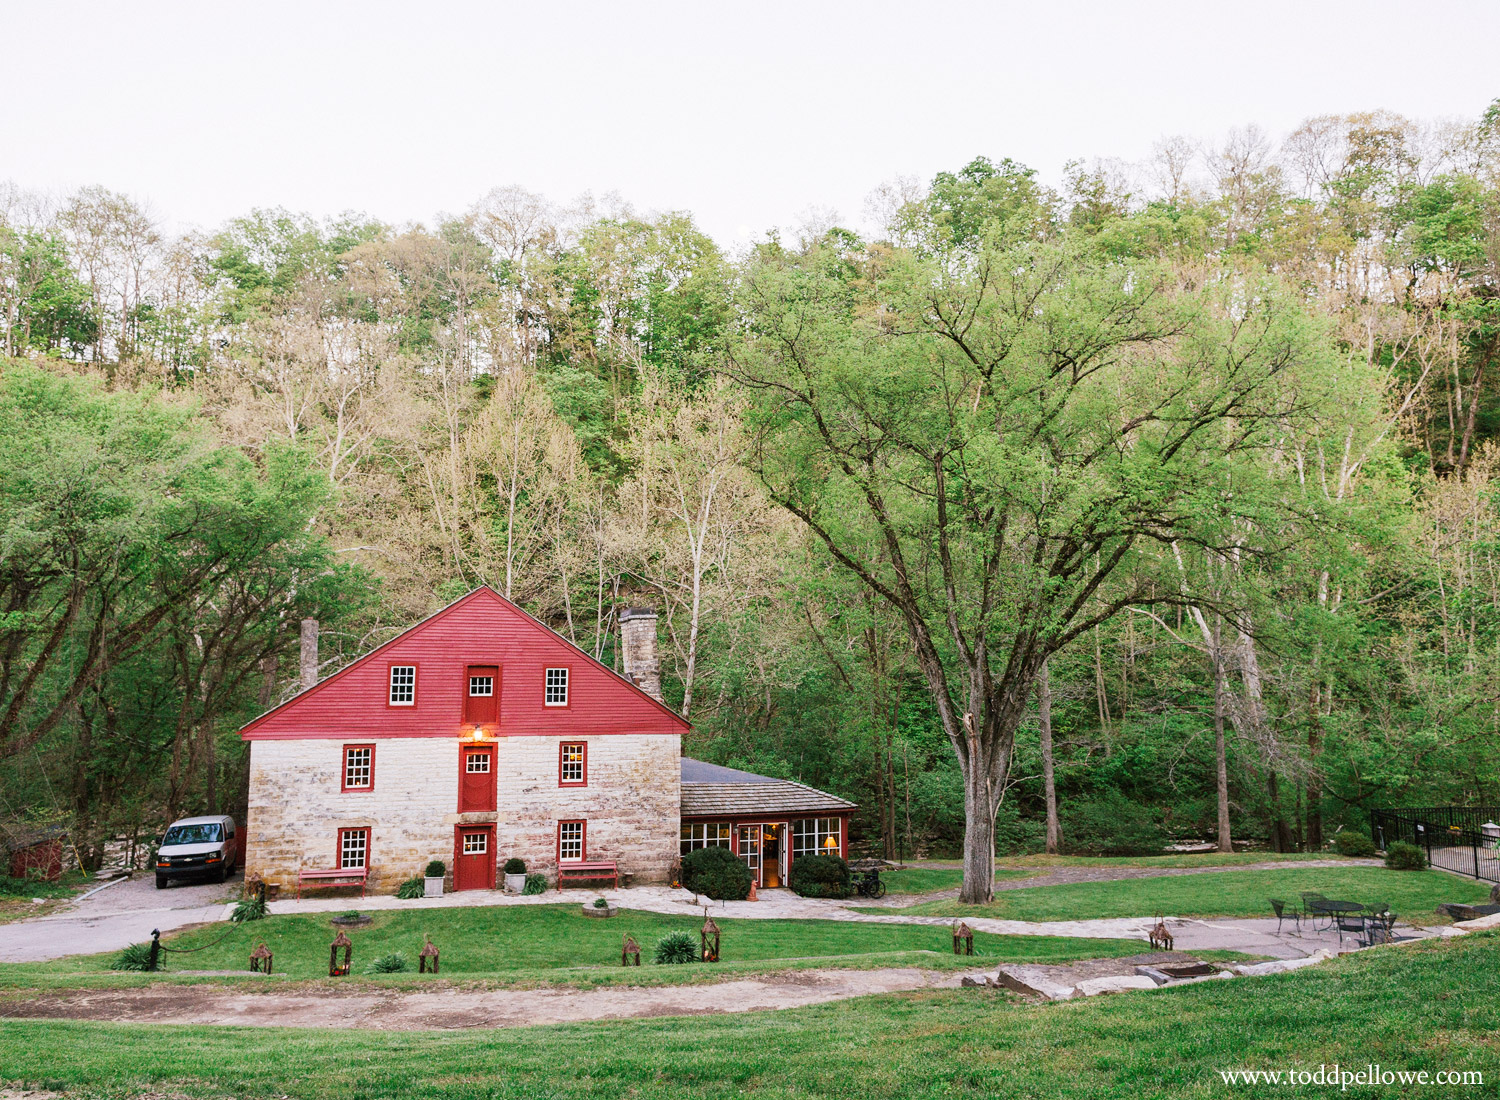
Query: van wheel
<point x="161" y="882"/>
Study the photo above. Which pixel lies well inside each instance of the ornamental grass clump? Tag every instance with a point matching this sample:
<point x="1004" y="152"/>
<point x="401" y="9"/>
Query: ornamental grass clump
<point x="675" y="947"/>
<point x="136" y="957"/>
<point x="820" y="877"/>
<point x="252" y="908"/>
<point x="394" y="963"/>
<point x="1401" y="856"/>
<point x="536" y="883"/>
<point x="413" y="887"/>
<point x="716" y="873"/>
<point x="1354" y="844"/>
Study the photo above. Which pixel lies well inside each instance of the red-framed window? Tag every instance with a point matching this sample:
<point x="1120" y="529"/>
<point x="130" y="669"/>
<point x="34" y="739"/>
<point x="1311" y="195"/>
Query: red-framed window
<point x="573" y="764"/>
<point x="555" y="688"/>
<point x="354" y="848"/>
<point x="401" y="686"/>
<point x="572" y="841"/>
<point x="359" y="768"/>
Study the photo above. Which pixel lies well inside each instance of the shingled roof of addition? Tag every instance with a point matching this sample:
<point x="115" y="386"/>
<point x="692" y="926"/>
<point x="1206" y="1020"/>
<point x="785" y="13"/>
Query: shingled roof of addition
<point x="709" y="790"/>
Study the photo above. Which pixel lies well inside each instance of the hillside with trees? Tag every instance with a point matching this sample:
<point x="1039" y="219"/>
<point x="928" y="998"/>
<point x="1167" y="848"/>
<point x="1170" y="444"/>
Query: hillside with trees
<point x="1158" y="503"/>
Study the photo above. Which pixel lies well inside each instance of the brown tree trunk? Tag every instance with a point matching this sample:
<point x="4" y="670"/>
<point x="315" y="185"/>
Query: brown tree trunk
<point x="1049" y="782"/>
<point x="1221" y="759"/>
<point x="1314" y="750"/>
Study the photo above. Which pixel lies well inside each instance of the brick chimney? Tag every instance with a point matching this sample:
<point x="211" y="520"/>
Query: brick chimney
<point x="638" y="649"/>
<point x="309" y="660"/>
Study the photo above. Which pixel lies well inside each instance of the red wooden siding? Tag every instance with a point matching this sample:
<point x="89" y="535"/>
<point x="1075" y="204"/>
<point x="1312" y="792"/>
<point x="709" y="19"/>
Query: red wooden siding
<point x="482" y="628"/>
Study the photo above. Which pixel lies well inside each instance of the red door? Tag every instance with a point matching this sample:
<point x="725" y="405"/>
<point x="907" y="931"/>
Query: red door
<point x="474" y="857"/>
<point x="476" y="779"/>
<point x="482" y="695"/>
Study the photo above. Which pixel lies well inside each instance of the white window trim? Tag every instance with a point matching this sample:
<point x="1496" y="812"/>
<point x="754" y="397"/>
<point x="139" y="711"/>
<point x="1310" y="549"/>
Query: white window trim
<point x="567" y="686"/>
<point x="390" y="687"/>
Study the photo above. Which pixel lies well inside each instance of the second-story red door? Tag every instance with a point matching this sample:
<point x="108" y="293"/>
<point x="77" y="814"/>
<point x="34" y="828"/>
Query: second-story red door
<point x="476" y="779"/>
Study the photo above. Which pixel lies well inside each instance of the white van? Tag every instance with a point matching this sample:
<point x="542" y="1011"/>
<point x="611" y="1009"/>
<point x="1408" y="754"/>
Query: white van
<point x="198" y="847"/>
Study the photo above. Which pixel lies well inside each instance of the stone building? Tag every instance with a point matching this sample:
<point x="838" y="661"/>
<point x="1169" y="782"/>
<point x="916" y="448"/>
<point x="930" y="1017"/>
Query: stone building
<point x="479" y="735"/>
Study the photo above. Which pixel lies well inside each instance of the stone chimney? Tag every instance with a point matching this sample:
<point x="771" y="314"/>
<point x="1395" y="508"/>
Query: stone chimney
<point x="309" y="653"/>
<point x="638" y="649"/>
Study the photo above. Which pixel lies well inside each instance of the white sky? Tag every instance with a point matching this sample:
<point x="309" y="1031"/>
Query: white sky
<point x="747" y="114"/>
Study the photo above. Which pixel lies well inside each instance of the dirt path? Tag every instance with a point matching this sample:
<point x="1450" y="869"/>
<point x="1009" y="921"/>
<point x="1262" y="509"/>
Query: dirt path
<point x="399" y="1010"/>
<point x="1063" y="876"/>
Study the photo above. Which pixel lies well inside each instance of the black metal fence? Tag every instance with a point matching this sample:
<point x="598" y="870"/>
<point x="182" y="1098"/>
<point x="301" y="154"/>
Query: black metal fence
<point x="1464" y="839"/>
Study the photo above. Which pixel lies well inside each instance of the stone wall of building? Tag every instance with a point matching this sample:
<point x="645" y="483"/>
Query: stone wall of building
<point x="631" y="804"/>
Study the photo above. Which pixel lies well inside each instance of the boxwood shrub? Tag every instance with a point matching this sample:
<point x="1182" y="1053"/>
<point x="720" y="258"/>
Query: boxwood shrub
<point x="515" y="866"/>
<point x="1402" y="856"/>
<point x="820" y="877"/>
<point x="716" y="873"/>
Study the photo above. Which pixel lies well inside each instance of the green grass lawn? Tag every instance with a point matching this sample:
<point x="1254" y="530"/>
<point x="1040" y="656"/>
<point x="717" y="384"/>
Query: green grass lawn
<point x="1431" y="1006"/>
<point x="543" y="943"/>
<point x="927" y="880"/>
<point x="1413" y="894"/>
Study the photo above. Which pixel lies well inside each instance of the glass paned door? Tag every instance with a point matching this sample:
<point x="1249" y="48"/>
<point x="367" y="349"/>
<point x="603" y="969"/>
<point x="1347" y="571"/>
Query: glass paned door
<point x="750" y="850"/>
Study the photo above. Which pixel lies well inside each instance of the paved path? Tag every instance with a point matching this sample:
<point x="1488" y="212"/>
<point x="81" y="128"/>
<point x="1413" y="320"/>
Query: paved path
<point x="115" y="917"/>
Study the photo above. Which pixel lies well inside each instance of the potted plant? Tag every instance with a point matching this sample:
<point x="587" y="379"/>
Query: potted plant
<point x="515" y="875"/>
<point x="432" y="882"/>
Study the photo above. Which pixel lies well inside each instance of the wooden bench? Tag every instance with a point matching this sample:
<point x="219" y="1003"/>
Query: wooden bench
<point x="337" y="876"/>
<point x="588" y="870"/>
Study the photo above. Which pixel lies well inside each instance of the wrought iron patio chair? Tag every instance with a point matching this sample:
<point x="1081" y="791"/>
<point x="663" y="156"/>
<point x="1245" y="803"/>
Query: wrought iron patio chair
<point x="1353" y="924"/>
<point x="1285" y="912"/>
<point x="1380" y="927"/>
<point x="1312" y="909"/>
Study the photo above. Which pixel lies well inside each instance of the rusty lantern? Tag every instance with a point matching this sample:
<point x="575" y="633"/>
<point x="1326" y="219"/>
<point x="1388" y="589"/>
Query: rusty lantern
<point x="260" y="959"/>
<point x="710" y="939"/>
<point x="429" y="953"/>
<point x="963" y="939"/>
<point x="631" y="951"/>
<point x="335" y="970"/>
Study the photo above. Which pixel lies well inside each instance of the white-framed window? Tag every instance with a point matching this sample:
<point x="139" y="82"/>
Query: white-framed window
<point x="354" y="847"/>
<point x="481" y="686"/>
<point x="359" y="767"/>
<point x="476" y="763"/>
<point x="569" y="841"/>
<point x="476" y="844"/>
<point x="571" y="756"/>
<point x="712" y="834"/>
<point x="810" y="836"/>
<point x="557" y="688"/>
<point x="403" y="685"/>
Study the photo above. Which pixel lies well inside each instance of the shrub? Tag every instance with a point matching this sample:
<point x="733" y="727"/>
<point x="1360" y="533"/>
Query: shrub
<point x="413" y="887"/>
<point x="820" y="877"/>
<point x="1111" y="825"/>
<point x="252" y="908"/>
<point x="1401" y="856"/>
<point x="137" y="957"/>
<point x="514" y="866"/>
<point x="716" y="873"/>
<point x="1353" y="844"/>
<point x="436" y="869"/>
<point x="600" y="903"/>
<point x="677" y="947"/>
<point x="536" y="883"/>
<point x="394" y="963"/>
<point x="352" y="914"/>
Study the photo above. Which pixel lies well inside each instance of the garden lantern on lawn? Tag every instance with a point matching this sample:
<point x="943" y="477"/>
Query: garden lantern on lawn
<point x="260" y="959"/>
<point x="334" y="969"/>
<point x="429" y="953"/>
<point x="710" y="939"/>
<point x="963" y="939"/>
<point x="631" y="950"/>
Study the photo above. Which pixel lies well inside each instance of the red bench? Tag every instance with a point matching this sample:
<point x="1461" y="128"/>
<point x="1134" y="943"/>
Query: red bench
<point x="338" y="876"/>
<point x="589" y="870"/>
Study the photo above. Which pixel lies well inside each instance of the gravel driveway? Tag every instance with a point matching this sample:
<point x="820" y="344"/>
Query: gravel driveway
<point x="117" y="916"/>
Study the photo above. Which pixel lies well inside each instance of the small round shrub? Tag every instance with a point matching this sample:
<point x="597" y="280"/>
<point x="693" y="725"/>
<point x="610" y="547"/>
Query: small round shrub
<point x="536" y="883"/>
<point x="676" y="947"/>
<point x="352" y="914"/>
<point x="394" y="963"/>
<point x="413" y="887"/>
<point x="600" y="903"/>
<point x="137" y="957"/>
<point x="1401" y="856"/>
<point x="820" y="877"/>
<point x="1353" y="844"/>
<point x="514" y="866"/>
<point x="716" y="873"/>
<point x="436" y="869"/>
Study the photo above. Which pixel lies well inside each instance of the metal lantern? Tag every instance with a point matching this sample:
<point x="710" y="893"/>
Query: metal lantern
<point x="631" y="951"/>
<point x="963" y="939"/>
<point x="710" y="939"/>
<point x="260" y="959"/>
<point x="335" y="970"/>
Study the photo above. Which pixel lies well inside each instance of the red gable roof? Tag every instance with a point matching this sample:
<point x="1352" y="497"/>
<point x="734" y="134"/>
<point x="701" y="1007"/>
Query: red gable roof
<point x="482" y="628"/>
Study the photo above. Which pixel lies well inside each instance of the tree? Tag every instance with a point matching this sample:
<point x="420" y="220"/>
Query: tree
<point x="986" y="439"/>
